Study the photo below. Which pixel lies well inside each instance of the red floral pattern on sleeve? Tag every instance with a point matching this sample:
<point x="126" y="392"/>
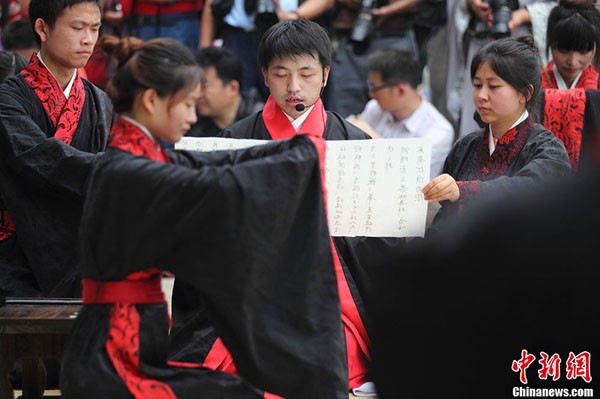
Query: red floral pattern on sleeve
<point x="64" y="113"/>
<point x="123" y="348"/>
<point x="563" y="116"/>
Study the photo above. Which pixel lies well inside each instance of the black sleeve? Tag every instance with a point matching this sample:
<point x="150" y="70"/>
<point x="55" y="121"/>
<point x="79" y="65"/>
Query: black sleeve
<point x="250" y="234"/>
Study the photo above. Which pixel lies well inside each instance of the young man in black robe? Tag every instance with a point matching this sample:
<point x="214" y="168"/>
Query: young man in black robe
<point x="52" y="123"/>
<point x="295" y="56"/>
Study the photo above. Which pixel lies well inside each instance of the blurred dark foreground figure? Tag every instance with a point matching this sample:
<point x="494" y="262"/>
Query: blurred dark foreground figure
<point x="467" y="302"/>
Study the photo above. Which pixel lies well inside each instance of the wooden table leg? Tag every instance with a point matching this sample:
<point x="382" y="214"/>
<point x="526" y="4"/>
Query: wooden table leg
<point x="7" y="362"/>
<point x="34" y="373"/>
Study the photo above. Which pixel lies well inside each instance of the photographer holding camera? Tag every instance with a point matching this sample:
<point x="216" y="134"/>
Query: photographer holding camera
<point x="471" y="25"/>
<point x="361" y="27"/>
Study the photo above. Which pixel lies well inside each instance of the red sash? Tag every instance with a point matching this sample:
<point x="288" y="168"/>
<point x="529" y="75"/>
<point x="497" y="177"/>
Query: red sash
<point x="63" y="113"/>
<point x="587" y="80"/>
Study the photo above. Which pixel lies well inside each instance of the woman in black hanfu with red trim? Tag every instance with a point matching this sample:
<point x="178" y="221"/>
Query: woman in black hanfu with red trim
<point x="511" y="151"/>
<point x="212" y="220"/>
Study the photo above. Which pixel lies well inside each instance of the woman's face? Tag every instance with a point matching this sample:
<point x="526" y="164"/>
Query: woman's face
<point x="571" y="63"/>
<point x="496" y="101"/>
<point x="176" y="118"/>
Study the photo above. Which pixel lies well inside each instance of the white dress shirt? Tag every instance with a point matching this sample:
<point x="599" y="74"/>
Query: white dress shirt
<point x="425" y="122"/>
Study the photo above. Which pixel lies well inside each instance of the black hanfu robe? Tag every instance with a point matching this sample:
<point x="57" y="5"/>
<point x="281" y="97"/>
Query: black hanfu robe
<point x="526" y="155"/>
<point x="213" y="220"/>
<point x="573" y="116"/>
<point x="47" y="146"/>
<point x="192" y="338"/>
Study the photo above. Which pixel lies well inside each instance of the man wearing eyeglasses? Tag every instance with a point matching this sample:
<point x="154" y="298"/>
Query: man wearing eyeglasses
<point x="397" y="110"/>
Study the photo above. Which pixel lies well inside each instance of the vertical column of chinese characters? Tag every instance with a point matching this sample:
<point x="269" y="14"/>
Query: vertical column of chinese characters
<point x="353" y="226"/>
<point x="371" y="185"/>
<point x="420" y="179"/>
<point x="402" y="187"/>
<point x="338" y="212"/>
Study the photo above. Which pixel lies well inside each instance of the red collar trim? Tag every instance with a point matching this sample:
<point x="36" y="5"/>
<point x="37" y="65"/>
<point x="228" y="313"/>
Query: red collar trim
<point x="280" y="127"/>
<point x="587" y="80"/>
<point x="507" y="150"/>
<point x="64" y="113"/>
<point x="128" y="137"/>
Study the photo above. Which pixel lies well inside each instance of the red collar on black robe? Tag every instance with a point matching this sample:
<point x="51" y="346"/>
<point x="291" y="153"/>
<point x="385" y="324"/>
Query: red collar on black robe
<point x="493" y="166"/>
<point x="563" y="116"/>
<point x="507" y="149"/>
<point x="63" y="113"/>
<point x="587" y="80"/>
<point x="280" y="127"/>
<point x="128" y="137"/>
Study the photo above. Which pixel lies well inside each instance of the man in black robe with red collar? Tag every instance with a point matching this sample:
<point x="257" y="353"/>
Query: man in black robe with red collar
<point x="52" y="123"/>
<point x="295" y="57"/>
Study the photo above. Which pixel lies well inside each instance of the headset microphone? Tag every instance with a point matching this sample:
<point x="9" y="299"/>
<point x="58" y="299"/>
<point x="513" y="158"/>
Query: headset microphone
<point x="302" y="107"/>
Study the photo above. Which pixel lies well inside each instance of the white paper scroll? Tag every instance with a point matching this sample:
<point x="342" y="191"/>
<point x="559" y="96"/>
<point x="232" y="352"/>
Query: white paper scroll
<point x="373" y="186"/>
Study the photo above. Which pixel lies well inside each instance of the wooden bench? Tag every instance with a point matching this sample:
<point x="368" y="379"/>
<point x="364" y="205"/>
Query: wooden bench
<point x="32" y="329"/>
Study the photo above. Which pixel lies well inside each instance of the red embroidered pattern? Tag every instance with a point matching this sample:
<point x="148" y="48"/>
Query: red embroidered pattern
<point x="493" y="166"/>
<point x="129" y="137"/>
<point x="7" y="228"/>
<point x="587" y="80"/>
<point x="63" y="113"/>
<point x="123" y="345"/>
<point x="563" y="116"/>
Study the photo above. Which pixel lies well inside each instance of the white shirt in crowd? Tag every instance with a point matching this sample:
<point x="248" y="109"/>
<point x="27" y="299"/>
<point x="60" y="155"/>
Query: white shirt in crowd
<point x="425" y="122"/>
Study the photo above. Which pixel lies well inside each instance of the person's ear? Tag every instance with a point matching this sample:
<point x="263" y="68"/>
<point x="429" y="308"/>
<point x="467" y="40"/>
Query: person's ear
<point x="525" y="98"/>
<point x="234" y="85"/>
<point x="42" y="29"/>
<point x="265" y="74"/>
<point x="149" y="101"/>
<point x="326" y="71"/>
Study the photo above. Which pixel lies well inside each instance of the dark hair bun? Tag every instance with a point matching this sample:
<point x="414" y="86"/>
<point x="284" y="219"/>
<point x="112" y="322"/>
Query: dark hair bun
<point x="528" y="40"/>
<point x="120" y="48"/>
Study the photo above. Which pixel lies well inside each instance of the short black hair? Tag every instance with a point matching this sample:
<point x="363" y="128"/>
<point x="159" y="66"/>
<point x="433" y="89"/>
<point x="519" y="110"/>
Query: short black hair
<point x="226" y="63"/>
<point x="395" y="65"/>
<point x="516" y="62"/>
<point x="50" y="10"/>
<point x="573" y="29"/>
<point x="292" y="38"/>
<point x="10" y="64"/>
<point x="19" y="35"/>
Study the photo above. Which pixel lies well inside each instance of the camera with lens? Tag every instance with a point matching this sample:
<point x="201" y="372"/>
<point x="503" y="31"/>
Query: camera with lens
<point x="266" y="14"/>
<point x="501" y="12"/>
<point x="365" y="22"/>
